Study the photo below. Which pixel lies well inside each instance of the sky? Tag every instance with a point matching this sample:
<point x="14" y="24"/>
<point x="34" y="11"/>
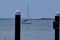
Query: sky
<point x="37" y="8"/>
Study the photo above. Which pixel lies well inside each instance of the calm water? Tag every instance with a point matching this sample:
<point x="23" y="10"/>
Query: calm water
<point x="37" y="30"/>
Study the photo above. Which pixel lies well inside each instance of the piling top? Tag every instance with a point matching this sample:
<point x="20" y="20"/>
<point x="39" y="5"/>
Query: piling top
<point x="57" y="14"/>
<point x="18" y="12"/>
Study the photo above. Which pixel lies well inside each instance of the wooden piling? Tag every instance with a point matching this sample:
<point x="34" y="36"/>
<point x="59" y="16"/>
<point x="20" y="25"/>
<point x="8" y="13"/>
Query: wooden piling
<point x="17" y="25"/>
<point x="56" y="27"/>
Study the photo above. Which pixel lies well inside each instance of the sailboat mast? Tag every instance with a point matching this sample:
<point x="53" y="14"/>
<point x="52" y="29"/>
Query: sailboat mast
<point x="27" y="9"/>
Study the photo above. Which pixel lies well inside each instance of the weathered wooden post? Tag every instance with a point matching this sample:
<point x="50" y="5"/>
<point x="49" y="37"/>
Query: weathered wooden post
<point x="17" y="25"/>
<point x="56" y="26"/>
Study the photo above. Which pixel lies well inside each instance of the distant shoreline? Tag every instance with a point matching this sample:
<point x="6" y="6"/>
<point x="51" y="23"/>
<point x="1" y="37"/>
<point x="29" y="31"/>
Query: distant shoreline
<point x="6" y="18"/>
<point x="47" y="18"/>
<point x="29" y="19"/>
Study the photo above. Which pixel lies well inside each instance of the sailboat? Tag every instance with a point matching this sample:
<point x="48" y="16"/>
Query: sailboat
<point x="27" y="21"/>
